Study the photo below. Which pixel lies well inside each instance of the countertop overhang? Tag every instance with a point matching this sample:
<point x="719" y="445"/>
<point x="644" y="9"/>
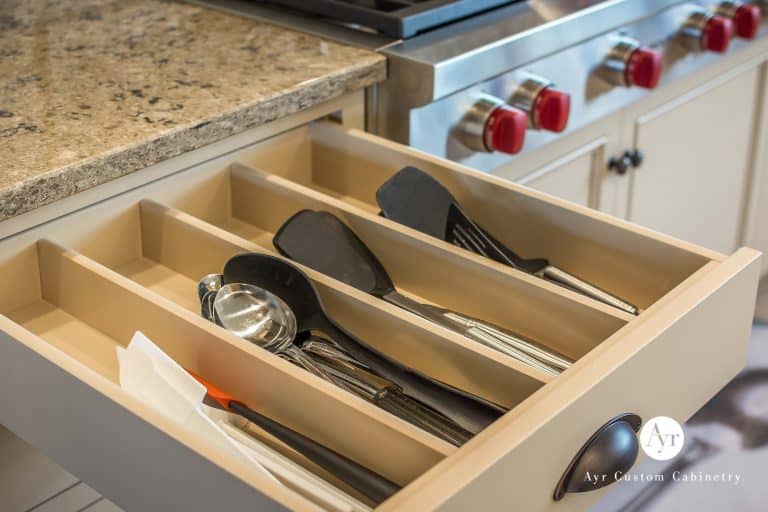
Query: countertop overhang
<point x="92" y="91"/>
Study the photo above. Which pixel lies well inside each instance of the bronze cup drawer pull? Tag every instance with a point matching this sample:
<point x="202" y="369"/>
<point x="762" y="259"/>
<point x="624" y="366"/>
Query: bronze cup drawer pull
<point x="613" y="448"/>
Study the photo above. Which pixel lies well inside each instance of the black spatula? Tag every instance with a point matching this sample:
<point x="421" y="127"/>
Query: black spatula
<point x="417" y="200"/>
<point x="322" y="242"/>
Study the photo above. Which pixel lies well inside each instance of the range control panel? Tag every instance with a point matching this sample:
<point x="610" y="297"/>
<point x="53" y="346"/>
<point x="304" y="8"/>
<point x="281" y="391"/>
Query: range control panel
<point x="486" y="125"/>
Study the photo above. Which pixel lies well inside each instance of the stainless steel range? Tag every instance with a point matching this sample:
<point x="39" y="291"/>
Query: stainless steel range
<point x="480" y="81"/>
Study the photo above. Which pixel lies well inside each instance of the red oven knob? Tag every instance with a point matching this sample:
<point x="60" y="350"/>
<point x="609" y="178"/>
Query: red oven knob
<point x="746" y="17"/>
<point x="644" y="68"/>
<point x="505" y="130"/>
<point x="747" y="21"/>
<point x="717" y="34"/>
<point x="492" y="125"/>
<point x="629" y="64"/>
<point x="706" y="32"/>
<point x="547" y="108"/>
<point x="551" y="110"/>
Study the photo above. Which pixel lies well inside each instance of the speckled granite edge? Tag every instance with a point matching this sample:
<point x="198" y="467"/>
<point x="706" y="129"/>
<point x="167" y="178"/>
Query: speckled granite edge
<point x="66" y="181"/>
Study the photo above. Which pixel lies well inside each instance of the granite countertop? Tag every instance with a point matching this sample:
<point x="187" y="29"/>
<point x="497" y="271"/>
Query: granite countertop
<point x="93" y="90"/>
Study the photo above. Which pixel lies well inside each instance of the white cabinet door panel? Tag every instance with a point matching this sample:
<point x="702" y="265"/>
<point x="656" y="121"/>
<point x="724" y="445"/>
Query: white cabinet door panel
<point x="571" y="180"/>
<point x="756" y="234"/>
<point x="698" y="149"/>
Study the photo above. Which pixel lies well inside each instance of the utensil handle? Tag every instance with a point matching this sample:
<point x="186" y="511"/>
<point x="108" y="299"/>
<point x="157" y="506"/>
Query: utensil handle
<point x="367" y="482"/>
<point x="394" y="401"/>
<point x="543" y="269"/>
<point x="421" y="310"/>
<point x="504" y="338"/>
<point x="556" y="361"/>
<point x="465" y="409"/>
<point x="475" y="333"/>
<point x="563" y="278"/>
<point x="294" y="354"/>
<point x="387" y="395"/>
<point x="357" y="380"/>
<point x="500" y="339"/>
<point x="491" y="341"/>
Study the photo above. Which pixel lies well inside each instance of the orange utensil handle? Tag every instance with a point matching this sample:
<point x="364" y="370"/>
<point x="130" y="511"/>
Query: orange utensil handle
<point x="218" y="395"/>
<point x="368" y="482"/>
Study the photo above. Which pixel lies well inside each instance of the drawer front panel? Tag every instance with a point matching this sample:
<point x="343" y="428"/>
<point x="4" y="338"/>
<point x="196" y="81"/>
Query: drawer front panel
<point x="697" y="346"/>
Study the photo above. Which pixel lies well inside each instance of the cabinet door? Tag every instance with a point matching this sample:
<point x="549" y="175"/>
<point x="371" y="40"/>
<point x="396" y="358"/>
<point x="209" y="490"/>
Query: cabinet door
<point x="575" y="168"/>
<point x="572" y="177"/>
<point x="698" y="150"/>
<point x="27" y="477"/>
<point x="756" y="233"/>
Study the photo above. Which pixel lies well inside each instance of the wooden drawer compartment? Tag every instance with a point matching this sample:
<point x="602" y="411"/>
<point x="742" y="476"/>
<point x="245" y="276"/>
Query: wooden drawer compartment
<point x="79" y="309"/>
<point x="78" y="286"/>
<point x="253" y="205"/>
<point x="164" y="257"/>
<point x="629" y="261"/>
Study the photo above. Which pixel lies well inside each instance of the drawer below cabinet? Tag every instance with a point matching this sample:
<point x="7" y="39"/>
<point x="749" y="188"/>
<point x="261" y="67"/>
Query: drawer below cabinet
<point x="79" y="286"/>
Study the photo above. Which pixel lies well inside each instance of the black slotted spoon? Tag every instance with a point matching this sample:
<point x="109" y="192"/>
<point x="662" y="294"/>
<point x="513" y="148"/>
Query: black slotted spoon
<point x="417" y="200"/>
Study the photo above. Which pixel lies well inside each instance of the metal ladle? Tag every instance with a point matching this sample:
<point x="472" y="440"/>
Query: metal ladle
<point x="255" y="315"/>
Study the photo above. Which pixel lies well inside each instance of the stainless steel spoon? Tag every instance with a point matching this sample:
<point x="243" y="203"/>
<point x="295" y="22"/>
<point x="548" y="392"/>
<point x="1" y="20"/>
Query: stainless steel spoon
<point x="255" y="315"/>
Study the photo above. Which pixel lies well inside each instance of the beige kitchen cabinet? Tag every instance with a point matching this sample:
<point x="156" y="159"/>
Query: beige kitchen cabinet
<point x="575" y="177"/>
<point x="698" y="149"/>
<point x="571" y="179"/>
<point x="756" y="230"/>
<point x="579" y="172"/>
<point x="27" y="477"/>
<point x="80" y="283"/>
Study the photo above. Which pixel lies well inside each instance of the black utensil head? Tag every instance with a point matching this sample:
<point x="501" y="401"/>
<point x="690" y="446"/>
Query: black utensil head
<point x="321" y="241"/>
<point x="417" y="200"/>
<point x="284" y="280"/>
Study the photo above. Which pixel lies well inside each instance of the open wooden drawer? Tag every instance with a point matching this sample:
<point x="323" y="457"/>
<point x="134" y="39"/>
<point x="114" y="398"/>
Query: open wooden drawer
<point x="78" y="286"/>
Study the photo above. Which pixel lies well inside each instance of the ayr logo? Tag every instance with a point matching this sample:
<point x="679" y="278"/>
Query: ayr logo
<point x="662" y="438"/>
